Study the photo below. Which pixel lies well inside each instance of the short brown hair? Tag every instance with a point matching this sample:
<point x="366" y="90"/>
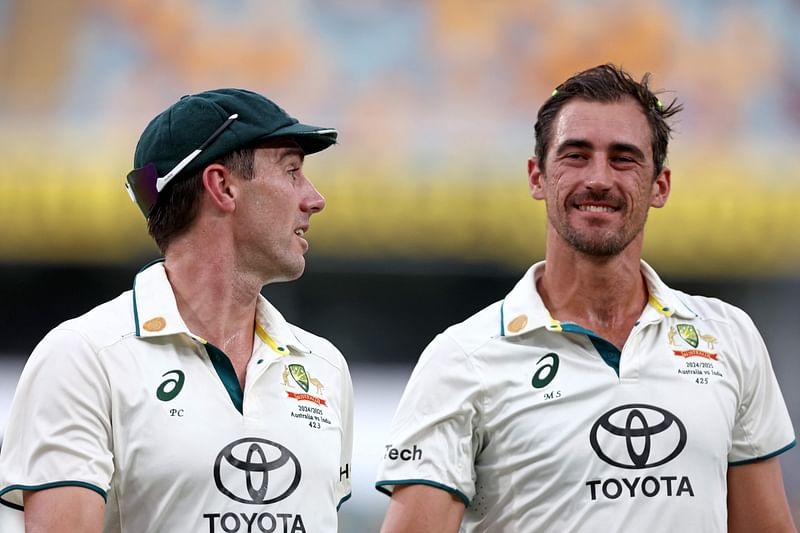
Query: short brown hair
<point x="608" y="83"/>
<point x="176" y="208"/>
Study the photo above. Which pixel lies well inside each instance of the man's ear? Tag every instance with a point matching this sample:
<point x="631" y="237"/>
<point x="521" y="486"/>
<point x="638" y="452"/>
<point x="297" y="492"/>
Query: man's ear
<point x="535" y="179"/>
<point x="661" y="188"/>
<point x="219" y="187"/>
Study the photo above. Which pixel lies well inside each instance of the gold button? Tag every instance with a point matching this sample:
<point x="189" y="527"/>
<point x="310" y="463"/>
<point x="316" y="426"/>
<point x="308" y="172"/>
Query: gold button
<point x="518" y="323"/>
<point x="155" y="324"/>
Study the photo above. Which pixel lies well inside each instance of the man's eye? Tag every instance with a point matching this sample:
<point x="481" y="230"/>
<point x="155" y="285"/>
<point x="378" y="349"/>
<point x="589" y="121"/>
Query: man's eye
<point x="292" y="172"/>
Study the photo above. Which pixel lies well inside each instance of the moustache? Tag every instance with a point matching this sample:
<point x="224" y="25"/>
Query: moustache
<point x="613" y="200"/>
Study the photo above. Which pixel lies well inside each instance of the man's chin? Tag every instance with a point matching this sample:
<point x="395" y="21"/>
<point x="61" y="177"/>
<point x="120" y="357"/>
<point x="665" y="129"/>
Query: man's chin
<point x="288" y="273"/>
<point x="597" y="246"/>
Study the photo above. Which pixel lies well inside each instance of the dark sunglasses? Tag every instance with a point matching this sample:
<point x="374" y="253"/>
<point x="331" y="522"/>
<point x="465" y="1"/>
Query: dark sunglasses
<point x="143" y="184"/>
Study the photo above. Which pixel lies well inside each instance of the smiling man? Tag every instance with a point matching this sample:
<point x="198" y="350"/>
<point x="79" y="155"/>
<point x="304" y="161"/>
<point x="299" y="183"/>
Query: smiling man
<point x="186" y="403"/>
<point x="593" y="397"/>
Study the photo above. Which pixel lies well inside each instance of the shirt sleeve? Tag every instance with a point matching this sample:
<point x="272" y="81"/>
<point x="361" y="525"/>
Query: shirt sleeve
<point x="434" y="436"/>
<point x="59" y="429"/>
<point x="762" y="428"/>
<point x="344" y="488"/>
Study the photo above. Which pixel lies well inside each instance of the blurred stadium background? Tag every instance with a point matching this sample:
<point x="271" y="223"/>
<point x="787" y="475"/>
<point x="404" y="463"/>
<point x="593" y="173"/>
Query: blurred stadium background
<point x="428" y="215"/>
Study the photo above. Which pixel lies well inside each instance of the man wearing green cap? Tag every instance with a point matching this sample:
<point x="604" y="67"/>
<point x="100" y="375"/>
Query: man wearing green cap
<point x="189" y="403"/>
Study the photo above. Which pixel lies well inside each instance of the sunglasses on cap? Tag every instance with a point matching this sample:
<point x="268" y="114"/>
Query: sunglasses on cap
<point x="143" y="184"/>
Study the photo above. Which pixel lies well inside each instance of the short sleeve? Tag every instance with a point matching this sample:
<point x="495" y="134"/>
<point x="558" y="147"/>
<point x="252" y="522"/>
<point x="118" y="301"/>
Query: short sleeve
<point x="434" y="435"/>
<point x="59" y="430"/>
<point x="344" y="488"/>
<point x="762" y="427"/>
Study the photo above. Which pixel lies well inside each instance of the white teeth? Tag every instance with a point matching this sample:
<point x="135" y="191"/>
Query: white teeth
<point x="299" y="232"/>
<point x="596" y="208"/>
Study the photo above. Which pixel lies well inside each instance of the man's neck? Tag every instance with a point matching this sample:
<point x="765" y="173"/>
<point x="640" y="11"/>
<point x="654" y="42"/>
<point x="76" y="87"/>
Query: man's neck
<point x="605" y="295"/>
<point x="215" y="301"/>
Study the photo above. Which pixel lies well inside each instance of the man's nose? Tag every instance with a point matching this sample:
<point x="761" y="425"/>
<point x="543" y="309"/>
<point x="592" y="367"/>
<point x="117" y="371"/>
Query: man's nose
<point x="600" y="174"/>
<point x="313" y="201"/>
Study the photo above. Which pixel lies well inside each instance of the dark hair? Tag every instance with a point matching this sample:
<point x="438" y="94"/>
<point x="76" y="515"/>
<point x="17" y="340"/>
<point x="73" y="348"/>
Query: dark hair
<point x="177" y="204"/>
<point x="608" y="83"/>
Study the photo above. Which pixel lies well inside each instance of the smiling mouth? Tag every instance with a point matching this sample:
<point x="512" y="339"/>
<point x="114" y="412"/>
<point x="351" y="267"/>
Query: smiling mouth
<point x="596" y="208"/>
<point x="299" y="232"/>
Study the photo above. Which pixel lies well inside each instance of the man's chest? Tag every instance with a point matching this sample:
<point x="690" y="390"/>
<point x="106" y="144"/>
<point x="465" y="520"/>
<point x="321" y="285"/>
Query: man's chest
<point x="564" y="407"/>
<point x="181" y="441"/>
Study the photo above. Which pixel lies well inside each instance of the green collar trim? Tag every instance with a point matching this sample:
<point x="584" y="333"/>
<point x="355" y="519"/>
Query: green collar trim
<point x="610" y="354"/>
<point x="224" y="367"/>
<point x="135" y="309"/>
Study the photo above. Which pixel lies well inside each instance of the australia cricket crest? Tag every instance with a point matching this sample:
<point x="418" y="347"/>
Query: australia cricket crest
<point x="689" y="334"/>
<point x="298" y="372"/>
<point x="684" y="339"/>
<point x="301" y="378"/>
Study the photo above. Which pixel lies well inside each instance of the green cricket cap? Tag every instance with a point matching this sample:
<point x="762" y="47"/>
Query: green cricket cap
<point x="188" y="123"/>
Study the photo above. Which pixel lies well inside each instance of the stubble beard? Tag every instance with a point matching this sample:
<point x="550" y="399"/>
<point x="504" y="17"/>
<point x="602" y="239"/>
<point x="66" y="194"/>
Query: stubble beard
<point x="598" y="243"/>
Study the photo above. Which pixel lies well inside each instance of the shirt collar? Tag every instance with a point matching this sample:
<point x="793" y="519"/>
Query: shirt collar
<point x="663" y="299"/>
<point x="274" y="330"/>
<point x="523" y="310"/>
<point x="155" y="313"/>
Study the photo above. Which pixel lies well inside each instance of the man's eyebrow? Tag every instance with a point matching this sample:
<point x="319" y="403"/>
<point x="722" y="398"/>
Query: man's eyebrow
<point x="628" y="148"/>
<point x="573" y="143"/>
<point x="616" y="147"/>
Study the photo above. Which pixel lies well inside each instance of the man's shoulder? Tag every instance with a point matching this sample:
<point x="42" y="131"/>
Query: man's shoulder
<point x="319" y="346"/>
<point x="687" y="305"/>
<point x="104" y="324"/>
<point x="713" y="309"/>
<point x="477" y="329"/>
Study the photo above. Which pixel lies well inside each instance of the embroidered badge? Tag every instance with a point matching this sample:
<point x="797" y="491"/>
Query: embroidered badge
<point x="155" y="324"/>
<point x="689" y="343"/>
<point x="305" y="381"/>
<point x="316" y="416"/>
<point x="518" y="323"/>
<point x="690" y="335"/>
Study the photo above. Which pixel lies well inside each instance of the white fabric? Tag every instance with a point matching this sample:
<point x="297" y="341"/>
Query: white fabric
<point x="87" y="412"/>
<point x="472" y="422"/>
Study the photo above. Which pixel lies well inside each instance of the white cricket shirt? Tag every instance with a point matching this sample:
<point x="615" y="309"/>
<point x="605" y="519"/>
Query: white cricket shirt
<point x="125" y="401"/>
<point x="543" y="426"/>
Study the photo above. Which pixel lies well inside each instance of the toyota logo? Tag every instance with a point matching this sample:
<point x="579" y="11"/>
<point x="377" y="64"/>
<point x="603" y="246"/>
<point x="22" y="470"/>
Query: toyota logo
<point x="638" y="436"/>
<point x="257" y="471"/>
